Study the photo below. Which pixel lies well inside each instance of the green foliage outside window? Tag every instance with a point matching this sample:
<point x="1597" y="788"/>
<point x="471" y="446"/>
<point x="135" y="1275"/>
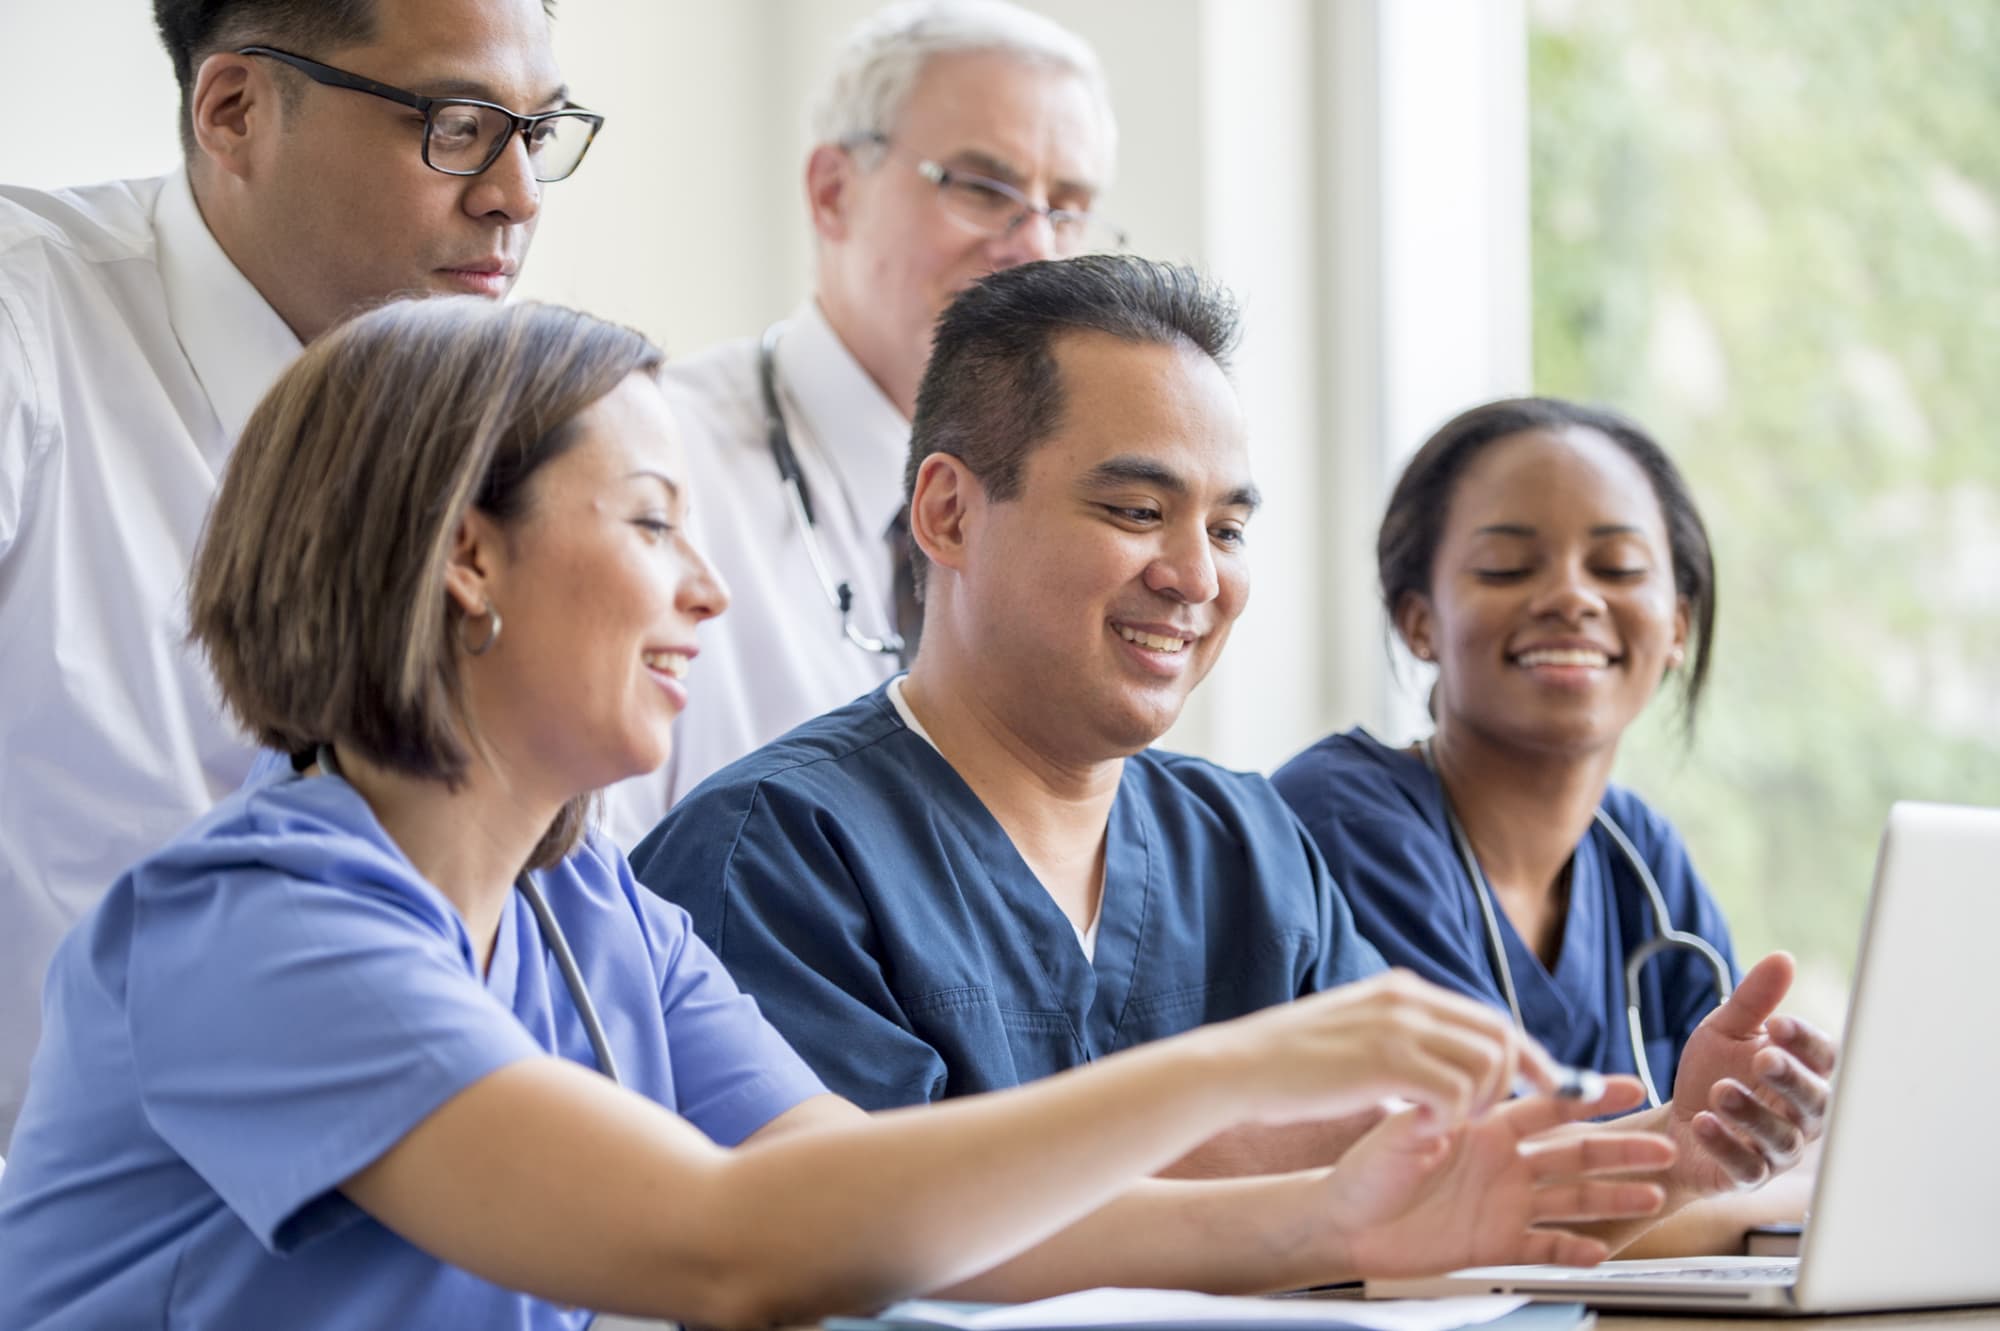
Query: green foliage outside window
<point x="1771" y="232"/>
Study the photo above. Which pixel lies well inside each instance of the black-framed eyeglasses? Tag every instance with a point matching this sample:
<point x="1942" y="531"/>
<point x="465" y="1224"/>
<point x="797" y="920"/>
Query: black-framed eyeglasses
<point x="995" y="208"/>
<point x="462" y="135"/>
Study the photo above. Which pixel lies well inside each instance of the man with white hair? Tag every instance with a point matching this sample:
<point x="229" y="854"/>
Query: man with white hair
<point x="953" y="139"/>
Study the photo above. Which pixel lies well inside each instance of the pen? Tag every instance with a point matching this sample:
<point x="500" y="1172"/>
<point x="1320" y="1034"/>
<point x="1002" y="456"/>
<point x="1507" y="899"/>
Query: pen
<point x="1571" y="1084"/>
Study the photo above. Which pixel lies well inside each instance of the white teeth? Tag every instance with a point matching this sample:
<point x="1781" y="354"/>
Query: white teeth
<point x="1563" y="657"/>
<point x="1152" y="642"/>
<point x="667" y="663"/>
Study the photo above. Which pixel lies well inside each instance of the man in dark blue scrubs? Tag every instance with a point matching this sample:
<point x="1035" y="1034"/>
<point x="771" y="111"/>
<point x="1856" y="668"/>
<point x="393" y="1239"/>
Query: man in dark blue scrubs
<point x="980" y="873"/>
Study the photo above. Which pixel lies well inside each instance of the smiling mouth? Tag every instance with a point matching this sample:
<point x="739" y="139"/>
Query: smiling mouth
<point x="1153" y="642"/>
<point x="1563" y="656"/>
<point x="667" y="663"/>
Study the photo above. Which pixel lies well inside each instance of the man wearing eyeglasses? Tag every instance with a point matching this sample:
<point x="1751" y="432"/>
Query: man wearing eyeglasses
<point x="335" y="156"/>
<point x="950" y="140"/>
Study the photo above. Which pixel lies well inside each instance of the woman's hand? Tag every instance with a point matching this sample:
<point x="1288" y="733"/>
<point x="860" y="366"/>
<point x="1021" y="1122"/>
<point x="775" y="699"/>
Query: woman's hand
<point x="1408" y="1202"/>
<point x="1751" y="1091"/>
<point x="1345" y="1050"/>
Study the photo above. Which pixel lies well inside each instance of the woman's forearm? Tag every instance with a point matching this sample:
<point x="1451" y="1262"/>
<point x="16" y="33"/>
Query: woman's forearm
<point x="917" y="1199"/>
<point x="1220" y="1236"/>
<point x="545" y="1178"/>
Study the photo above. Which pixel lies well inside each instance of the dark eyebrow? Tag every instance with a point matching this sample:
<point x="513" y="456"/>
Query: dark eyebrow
<point x="483" y="92"/>
<point x="673" y="486"/>
<point x="1131" y="469"/>
<point x="1526" y="532"/>
<point x="1523" y="529"/>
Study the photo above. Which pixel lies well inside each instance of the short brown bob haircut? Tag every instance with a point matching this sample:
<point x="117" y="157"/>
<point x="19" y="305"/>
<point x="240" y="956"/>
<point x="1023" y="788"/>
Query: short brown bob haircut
<point x="318" y="591"/>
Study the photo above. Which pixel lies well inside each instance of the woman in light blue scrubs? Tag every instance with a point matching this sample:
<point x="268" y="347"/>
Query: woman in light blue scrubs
<point x="1549" y="561"/>
<point x="390" y="1038"/>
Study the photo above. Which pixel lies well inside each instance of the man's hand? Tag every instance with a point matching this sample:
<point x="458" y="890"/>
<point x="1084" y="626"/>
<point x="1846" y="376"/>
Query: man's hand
<point x="1751" y="1091"/>
<point x="1342" y="1051"/>
<point x="1260" y="1148"/>
<point x="1408" y="1200"/>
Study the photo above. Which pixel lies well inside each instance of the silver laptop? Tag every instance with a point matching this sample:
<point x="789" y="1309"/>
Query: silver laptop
<point x="1906" y="1207"/>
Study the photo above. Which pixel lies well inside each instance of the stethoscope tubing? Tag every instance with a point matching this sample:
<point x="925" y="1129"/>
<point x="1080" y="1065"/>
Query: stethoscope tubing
<point x="798" y="499"/>
<point x="579" y="992"/>
<point x="558" y="945"/>
<point x="1665" y="936"/>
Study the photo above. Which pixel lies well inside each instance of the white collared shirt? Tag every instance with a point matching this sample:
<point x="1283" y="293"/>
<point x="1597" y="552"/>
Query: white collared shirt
<point x="777" y="657"/>
<point x="131" y="353"/>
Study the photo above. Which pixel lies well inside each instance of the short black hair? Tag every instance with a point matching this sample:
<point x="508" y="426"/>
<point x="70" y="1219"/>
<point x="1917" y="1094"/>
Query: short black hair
<point x="194" y="30"/>
<point x="1413" y="525"/>
<point x="992" y="390"/>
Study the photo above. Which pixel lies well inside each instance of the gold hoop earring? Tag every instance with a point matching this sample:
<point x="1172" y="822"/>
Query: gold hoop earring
<point x="492" y="634"/>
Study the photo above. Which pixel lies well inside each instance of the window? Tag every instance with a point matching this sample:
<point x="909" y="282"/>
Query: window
<point x="1771" y="232"/>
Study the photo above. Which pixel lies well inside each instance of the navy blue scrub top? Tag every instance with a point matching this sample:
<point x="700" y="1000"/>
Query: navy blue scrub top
<point x="1377" y="815"/>
<point x="855" y="886"/>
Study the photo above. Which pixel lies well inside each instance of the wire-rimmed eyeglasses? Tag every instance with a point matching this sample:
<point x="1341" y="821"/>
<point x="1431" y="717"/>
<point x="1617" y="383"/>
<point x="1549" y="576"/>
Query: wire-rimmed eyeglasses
<point x="995" y="208"/>
<point x="463" y="135"/>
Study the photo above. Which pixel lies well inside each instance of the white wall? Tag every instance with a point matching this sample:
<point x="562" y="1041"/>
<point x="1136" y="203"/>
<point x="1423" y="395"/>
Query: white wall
<point x="1344" y="166"/>
<point x="99" y="61"/>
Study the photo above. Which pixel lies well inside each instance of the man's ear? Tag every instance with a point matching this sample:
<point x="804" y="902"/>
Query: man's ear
<point x="1414" y="625"/>
<point x="830" y="172"/>
<point x="235" y="104"/>
<point x="473" y="570"/>
<point x="944" y="509"/>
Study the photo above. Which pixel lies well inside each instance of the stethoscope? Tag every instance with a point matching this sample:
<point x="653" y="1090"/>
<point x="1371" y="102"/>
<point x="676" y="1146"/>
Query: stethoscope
<point x="839" y="594"/>
<point x="1665" y="936"/>
<point x="552" y="934"/>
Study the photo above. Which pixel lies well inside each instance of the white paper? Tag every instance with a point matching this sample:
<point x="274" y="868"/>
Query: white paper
<point x="1169" y="1307"/>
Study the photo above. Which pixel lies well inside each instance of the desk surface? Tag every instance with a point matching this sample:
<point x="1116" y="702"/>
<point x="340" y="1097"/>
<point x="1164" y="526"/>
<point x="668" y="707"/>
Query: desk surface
<point x="1943" y="1319"/>
<point x="1937" y="1319"/>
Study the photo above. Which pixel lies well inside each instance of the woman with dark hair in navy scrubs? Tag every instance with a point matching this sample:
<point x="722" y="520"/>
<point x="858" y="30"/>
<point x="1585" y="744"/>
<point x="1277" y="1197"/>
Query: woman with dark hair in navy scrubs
<point x="1549" y="561"/>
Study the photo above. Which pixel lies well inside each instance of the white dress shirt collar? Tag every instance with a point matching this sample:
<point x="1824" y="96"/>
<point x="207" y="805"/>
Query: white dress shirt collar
<point x="235" y="341"/>
<point x="826" y="384"/>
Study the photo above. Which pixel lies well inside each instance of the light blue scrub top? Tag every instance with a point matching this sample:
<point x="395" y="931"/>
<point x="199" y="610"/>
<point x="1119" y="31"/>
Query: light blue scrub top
<point x="267" y="1005"/>
<point x="1378" y="816"/>
<point x="855" y="885"/>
